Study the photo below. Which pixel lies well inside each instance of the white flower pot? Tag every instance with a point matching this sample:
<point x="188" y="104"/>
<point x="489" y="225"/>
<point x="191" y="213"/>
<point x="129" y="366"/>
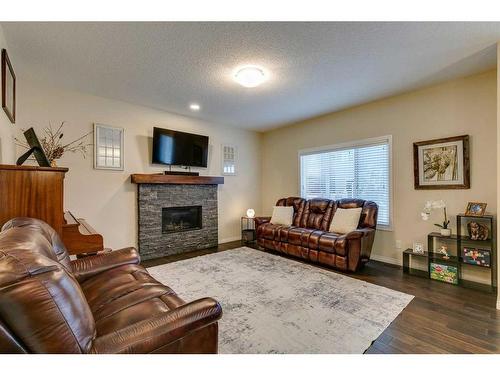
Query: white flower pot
<point x="446" y="232"/>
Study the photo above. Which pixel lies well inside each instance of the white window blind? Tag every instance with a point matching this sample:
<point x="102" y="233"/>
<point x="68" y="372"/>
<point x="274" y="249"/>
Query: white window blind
<point x="358" y="170"/>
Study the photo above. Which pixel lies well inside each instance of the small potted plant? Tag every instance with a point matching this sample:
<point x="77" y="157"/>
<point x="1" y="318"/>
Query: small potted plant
<point x="426" y="213"/>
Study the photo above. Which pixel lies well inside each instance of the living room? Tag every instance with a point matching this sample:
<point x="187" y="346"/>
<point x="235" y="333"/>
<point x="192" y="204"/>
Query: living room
<point x="249" y="188"/>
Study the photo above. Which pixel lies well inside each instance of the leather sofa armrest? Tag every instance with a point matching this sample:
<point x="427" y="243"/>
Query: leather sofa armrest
<point x="84" y="268"/>
<point x="150" y="335"/>
<point x="261" y="220"/>
<point x="360" y="246"/>
<point x="358" y="233"/>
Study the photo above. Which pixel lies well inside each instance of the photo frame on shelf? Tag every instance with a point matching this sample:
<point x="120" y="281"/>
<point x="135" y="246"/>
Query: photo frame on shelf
<point x="418" y="248"/>
<point x="475" y="209"/>
<point x="8" y="87"/>
<point x="108" y="147"/>
<point x="442" y="163"/>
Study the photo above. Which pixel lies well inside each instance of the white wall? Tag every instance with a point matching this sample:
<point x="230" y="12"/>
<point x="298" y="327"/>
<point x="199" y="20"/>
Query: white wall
<point x="107" y="199"/>
<point x="463" y="106"/>
<point x="498" y="166"/>
<point x="7" y="151"/>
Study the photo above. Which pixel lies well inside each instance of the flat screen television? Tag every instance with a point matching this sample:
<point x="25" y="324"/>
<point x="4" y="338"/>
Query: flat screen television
<point x="172" y="147"/>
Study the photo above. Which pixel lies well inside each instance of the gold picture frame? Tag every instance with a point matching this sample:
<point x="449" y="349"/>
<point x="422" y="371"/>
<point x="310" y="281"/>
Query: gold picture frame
<point x="475" y="209"/>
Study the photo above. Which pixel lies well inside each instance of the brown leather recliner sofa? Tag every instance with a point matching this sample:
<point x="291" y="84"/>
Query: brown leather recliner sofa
<point x="100" y="304"/>
<point x="308" y="236"/>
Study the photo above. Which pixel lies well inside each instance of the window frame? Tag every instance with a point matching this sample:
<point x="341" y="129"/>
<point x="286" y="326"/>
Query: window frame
<point x="349" y="145"/>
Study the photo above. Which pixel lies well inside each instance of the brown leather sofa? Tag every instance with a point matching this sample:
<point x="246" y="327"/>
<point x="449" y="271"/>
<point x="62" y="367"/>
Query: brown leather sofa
<point x="100" y="304"/>
<point x="308" y="236"/>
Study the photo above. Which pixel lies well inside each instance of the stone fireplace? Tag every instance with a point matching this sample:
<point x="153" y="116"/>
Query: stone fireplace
<point x="176" y="214"/>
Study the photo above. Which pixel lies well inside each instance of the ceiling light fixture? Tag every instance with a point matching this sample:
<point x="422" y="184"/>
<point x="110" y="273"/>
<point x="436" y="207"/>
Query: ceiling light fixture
<point x="194" y="107"/>
<point x="250" y="76"/>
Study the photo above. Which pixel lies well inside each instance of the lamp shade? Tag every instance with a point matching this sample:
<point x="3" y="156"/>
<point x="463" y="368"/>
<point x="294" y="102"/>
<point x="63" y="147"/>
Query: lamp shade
<point x="250" y="212"/>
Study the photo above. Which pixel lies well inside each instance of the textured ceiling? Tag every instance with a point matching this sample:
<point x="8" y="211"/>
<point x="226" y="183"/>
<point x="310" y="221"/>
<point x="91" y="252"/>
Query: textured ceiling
<point x="315" y="68"/>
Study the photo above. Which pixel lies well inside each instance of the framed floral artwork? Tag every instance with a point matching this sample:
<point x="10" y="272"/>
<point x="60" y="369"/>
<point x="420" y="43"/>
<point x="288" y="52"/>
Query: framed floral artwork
<point x="442" y="163"/>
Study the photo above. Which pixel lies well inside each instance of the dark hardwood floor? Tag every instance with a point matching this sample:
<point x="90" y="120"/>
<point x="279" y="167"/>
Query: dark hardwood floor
<point x="442" y="318"/>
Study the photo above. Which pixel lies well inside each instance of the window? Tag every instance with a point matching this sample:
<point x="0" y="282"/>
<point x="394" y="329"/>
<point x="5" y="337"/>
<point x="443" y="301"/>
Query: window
<point x="108" y="147"/>
<point x="229" y="154"/>
<point x="356" y="170"/>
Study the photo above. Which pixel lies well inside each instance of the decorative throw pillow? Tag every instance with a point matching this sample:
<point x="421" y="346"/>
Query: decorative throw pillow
<point x="345" y="220"/>
<point x="282" y="215"/>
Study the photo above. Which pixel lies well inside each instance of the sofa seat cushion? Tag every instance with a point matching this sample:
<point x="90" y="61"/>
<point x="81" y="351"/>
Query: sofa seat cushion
<point x="283" y="233"/>
<point x="304" y="237"/>
<point x="313" y="239"/>
<point x="270" y="231"/>
<point x="126" y="295"/>
<point x="333" y="243"/>
<point x="295" y="235"/>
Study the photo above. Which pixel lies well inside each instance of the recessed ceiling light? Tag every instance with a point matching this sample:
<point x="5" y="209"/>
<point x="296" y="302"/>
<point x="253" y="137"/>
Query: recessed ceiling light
<point x="250" y="76"/>
<point x="194" y="107"/>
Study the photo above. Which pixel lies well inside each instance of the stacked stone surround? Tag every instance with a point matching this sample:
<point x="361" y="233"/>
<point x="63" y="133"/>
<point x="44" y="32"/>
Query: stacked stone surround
<point x="153" y="197"/>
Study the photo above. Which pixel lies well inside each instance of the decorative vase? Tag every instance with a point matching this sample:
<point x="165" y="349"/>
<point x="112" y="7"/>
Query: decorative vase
<point x="445" y="232"/>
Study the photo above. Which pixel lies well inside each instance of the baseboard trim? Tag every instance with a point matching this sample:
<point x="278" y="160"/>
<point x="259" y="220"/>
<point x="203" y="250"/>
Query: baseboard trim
<point x="385" y="259"/>
<point x="230" y="239"/>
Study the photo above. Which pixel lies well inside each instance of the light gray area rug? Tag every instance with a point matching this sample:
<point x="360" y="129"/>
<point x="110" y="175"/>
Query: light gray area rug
<point x="273" y="304"/>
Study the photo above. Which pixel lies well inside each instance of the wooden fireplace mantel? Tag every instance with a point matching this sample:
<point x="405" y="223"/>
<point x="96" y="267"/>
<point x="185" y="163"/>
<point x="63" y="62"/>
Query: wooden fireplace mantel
<point x="174" y="179"/>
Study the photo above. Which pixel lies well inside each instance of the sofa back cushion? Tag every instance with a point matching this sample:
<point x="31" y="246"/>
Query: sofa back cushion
<point x="369" y="211"/>
<point x="41" y="303"/>
<point x="282" y="215"/>
<point x="57" y="246"/>
<point x="317" y="214"/>
<point x="298" y="205"/>
<point x="345" y="220"/>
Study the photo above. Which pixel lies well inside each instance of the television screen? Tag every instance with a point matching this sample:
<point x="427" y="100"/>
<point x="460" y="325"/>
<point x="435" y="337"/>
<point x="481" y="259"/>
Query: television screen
<point x="177" y="148"/>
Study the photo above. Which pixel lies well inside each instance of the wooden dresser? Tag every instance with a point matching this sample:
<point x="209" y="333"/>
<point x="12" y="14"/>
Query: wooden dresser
<point x="39" y="192"/>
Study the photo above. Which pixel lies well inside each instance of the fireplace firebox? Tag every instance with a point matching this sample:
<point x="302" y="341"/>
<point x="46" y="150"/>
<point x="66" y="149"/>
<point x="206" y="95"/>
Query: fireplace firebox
<point x="181" y="219"/>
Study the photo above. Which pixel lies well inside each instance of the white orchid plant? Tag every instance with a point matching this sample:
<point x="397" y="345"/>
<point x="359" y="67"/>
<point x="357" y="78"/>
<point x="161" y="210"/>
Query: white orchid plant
<point x="433" y="205"/>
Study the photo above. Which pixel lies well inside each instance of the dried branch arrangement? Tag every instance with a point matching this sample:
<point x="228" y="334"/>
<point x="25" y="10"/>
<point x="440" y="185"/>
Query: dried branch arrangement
<point x="53" y="146"/>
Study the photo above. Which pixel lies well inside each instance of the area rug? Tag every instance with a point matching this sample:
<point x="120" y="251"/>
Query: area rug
<point x="272" y="304"/>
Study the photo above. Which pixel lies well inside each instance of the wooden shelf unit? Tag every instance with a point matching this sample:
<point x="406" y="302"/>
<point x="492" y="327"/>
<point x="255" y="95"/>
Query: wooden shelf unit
<point x="457" y="259"/>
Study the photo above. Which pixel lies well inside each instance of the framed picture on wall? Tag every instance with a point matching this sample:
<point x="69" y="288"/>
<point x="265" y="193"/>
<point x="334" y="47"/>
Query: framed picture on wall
<point x="442" y="163"/>
<point x="8" y="87"/>
<point x="108" y="147"/>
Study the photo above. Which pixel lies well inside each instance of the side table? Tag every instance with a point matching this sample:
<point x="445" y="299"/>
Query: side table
<point x="248" y="234"/>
